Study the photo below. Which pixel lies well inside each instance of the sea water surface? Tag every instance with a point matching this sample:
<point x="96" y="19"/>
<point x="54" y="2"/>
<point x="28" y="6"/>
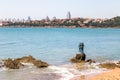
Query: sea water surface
<point x="56" y="46"/>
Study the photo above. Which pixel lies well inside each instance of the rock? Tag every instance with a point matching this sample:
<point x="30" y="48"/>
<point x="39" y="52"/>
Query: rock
<point x="40" y="64"/>
<point x="17" y="63"/>
<point x="109" y="65"/>
<point x="80" y="56"/>
<point x="27" y="59"/>
<point x="74" y="60"/>
<point x="30" y="59"/>
<point x="13" y="64"/>
<point x="118" y="62"/>
<point x="90" y="61"/>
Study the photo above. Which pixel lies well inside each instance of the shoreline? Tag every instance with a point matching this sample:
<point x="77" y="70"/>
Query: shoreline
<point x="113" y="74"/>
<point x="67" y="72"/>
<point x="64" y="27"/>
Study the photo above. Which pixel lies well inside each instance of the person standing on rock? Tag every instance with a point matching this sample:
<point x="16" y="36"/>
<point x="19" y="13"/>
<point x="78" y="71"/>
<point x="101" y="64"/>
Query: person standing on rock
<point x="81" y="47"/>
<point x="81" y="56"/>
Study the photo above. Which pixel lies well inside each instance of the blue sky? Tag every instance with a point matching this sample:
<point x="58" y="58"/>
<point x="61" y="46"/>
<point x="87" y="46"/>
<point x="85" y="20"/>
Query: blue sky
<point x="39" y="9"/>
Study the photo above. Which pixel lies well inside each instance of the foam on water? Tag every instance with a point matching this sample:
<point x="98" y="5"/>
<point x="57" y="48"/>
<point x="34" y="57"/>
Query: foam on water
<point x="68" y="72"/>
<point x="64" y="72"/>
<point x="3" y="69"/>
<point x="88" y="69"/>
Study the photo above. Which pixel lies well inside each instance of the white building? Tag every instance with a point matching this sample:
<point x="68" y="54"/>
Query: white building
<point x="1" y="24"/>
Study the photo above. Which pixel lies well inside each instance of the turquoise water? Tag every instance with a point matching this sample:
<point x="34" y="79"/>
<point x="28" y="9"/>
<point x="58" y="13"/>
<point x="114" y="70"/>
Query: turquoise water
<point x="58" y="45"/>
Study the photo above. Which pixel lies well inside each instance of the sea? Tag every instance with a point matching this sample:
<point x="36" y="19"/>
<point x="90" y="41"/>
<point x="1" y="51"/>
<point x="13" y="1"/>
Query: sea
<point x="57" y="46"/>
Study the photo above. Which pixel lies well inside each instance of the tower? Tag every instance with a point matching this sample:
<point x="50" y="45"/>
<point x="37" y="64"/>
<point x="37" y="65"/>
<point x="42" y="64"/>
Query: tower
<point x="68" y="15"/>
<point x="29" y="18"/>
<point x="47" y="18"/>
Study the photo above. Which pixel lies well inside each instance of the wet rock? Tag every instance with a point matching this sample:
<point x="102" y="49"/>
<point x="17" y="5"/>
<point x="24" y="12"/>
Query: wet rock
<point x="27" y="59"/>
<point x="30" y="59"/>
<point x="13" y="64"/>
<point x="109" y="65"/>
<point x="90" y="61"/>
<point x="40" y="64"/>
<point x="74" y="60"/>
<point x="80" y="56"/>
<point x="17" y="63"/>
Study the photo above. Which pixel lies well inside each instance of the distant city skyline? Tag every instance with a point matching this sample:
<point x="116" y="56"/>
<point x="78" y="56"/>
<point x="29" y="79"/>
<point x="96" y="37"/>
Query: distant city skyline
<point x="39" y="9"/>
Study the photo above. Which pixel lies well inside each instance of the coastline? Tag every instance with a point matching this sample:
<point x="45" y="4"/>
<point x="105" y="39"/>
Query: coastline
<point x="69" y="27"/>
<point x="113" y="74"/>
<point x="67" y="23"/>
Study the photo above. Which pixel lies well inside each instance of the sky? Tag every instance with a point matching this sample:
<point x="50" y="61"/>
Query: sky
<point x="39" y="9"/>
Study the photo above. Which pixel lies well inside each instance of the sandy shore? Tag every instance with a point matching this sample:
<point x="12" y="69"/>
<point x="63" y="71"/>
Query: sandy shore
<point x="110" y="75"/>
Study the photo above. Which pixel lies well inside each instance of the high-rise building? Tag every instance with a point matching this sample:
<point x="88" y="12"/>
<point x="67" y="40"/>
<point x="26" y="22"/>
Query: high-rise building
<point x="29" y="18"/>
<point x="47" y="18"/>
<point x="68" y="15"/>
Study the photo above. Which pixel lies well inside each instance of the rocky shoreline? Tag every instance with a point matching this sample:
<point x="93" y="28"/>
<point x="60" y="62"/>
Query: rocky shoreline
<point x="18" y="63"/>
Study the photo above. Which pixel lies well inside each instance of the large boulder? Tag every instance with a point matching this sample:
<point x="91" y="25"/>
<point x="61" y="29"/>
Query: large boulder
<point x="78" y="58"/>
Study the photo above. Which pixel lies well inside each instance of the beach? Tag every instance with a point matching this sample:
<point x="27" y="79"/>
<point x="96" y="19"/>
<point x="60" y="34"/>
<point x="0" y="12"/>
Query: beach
<point x="113" y="74"/>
